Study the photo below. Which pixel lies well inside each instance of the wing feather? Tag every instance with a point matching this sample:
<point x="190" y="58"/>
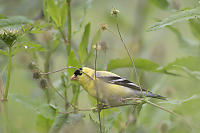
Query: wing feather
<point x="120" y="81"/>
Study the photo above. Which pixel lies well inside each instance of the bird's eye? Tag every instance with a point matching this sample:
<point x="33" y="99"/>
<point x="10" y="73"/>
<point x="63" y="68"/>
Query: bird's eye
<point x="77" y="72"/>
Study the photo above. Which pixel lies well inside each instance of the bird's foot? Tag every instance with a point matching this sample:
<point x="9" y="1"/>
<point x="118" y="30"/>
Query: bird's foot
<point x="101" y="106"/>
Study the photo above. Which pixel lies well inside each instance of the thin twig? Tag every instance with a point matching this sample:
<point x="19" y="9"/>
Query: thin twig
<point x="96" y="108"/>
<point x="130" y="57"/>
<point x="160" y="107"/>
<point x="132" y="62"/>
<point x="59" y="70"/>
<point x="63" y="35"/>
<point x="153" y="104"/>
<point x="69" y="25"/>
<point x="69" y="67"/>
<point x="97" y="90"/>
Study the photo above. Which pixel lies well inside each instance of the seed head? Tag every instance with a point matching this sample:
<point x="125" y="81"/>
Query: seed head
<point x="36" y="75"/>
<point x="103" y="27"/>
<point x="114" y="12"/>
<point x="9" y="36"/>
<point x="43" y="83"/>
<point x="32" y="66"/>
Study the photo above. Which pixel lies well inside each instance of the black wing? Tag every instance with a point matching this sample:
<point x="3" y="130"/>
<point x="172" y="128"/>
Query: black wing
<point x="126" y="83"/>
<point x="120" y="81"/>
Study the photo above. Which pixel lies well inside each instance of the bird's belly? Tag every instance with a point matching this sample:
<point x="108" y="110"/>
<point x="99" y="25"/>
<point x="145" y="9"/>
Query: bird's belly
<point x="114" y="94"/>
<point x="109" y="93"/>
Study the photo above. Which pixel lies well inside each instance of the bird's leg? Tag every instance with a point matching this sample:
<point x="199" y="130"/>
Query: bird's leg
<point x="123" y="100"/>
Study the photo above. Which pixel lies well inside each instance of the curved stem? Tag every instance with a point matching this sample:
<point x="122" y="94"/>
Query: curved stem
<point x="8" y="75"/>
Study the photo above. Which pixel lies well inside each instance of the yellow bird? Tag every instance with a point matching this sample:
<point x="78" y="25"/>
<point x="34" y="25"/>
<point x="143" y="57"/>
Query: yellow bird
<point x="111" y="87"/>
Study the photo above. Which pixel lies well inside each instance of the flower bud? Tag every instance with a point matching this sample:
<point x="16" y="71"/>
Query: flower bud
<point x="43" y="83"/>
<point x="103" y="27"/>
<point x="32" y="66"/>
<point x="114" y="12"/>
<point x="36" y="75"/>
<point x="9" y="36"/>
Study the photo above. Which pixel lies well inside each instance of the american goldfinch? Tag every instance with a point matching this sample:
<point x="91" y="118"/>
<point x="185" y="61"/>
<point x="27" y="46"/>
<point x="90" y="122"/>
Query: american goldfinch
<point x="111" y="87"/>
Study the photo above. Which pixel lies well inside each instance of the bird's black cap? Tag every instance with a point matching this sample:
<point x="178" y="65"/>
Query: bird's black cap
<point x="78" y="72"/>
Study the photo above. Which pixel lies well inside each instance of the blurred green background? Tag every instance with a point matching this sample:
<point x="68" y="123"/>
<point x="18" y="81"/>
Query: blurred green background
<point x="177" y="42"/>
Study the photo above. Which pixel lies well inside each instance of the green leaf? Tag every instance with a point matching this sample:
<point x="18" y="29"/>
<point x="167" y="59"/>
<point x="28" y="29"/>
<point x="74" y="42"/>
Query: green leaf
<point x="3" y="16"/>
<point x="63" y="12"/>
<point x="143" y="64"/>
<point x="45" y="10"/>
<point x="32" y="46"/>
<point x="72" y="61"/>
<point x="95" y="39"/>
<point x="180" y="102"/>
<point x="68" y="120"/>
<point x="3" y="52"/>
<point x="58" y="123"/>
<point x="163" y="4"/>
<point x="43" y="124"/>
<point x="195" y="27"/>
<point x="191" y="62"/>
<point x="190" y="65"/>
<point x="13" y="28"/>
<point x="87" y="5"/>
<point x="183" y="41"/>
<point x="56" y="12"/>
<point x="176" y="17"/>
<point x="82" y="50"/>
<point x="46" y="110"/>
<point x="16" y="22"/>
<point x="73" y="119"/>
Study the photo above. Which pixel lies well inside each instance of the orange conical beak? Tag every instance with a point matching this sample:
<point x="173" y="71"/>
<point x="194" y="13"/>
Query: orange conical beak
<point x="73" y="77"/>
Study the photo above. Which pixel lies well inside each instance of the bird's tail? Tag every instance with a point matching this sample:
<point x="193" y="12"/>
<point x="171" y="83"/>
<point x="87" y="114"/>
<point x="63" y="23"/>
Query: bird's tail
<point x="150" y="94"/>
<point x="159" y="97"/>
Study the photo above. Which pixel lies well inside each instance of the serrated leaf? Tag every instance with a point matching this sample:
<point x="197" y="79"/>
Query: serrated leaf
<point x="72" y="61"/>
<point x="82" y="50"/>
<point x="45" y="110"/>
<point x="143" y="64"/>
<point x="16" y="22"/>
<point x="31" y="46"/>
<point x="176" y="17"/>
<point x="195" y="27"/>
<point x="163" y="4"/>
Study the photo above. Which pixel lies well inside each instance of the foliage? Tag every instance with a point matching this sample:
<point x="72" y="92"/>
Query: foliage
<point x="176" y="17"/>
<point x="57" y="104"/>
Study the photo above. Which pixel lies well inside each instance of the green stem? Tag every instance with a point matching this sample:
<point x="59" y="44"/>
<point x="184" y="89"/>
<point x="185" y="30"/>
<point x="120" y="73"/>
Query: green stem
<point x="4" y="116"/>
<point x="47" y="95"/>
<point x="69" y="26"/>
<point x="160" y="107"/>
<point x="8" y="76"/>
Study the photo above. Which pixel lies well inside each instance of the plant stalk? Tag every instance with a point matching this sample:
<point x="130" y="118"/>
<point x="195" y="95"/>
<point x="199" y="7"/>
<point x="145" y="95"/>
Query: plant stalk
<point x="8" y="75"/>
<point x="69" y="26"/>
